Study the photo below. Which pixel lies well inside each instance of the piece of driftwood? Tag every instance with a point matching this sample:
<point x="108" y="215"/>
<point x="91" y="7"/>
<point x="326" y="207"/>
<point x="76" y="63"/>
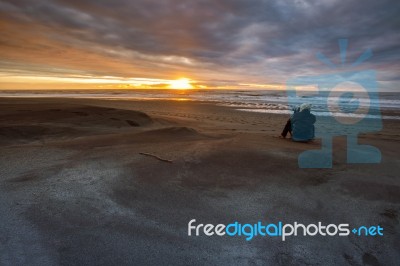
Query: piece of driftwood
<point x="155" y="156"/>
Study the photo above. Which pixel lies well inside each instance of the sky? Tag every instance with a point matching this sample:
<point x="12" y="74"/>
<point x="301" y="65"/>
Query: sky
<point x="227" y="44"/>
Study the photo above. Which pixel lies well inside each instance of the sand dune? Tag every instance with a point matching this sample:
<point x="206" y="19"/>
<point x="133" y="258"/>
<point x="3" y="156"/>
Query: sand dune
<point x="47" y="123"/>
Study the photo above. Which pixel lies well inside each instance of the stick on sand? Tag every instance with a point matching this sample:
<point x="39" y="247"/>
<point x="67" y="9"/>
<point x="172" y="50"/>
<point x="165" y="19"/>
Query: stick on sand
<point x="155" y="156"/>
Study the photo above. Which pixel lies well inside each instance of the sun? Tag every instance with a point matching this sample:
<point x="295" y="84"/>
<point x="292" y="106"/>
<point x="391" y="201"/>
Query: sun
<point x="180" y="84"/>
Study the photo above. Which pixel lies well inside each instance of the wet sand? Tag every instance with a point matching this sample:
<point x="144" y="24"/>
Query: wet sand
<point x="82" y="183"/>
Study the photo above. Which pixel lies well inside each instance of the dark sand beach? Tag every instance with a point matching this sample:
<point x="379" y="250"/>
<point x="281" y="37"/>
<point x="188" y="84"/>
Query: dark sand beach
<point x="82" y="183"/>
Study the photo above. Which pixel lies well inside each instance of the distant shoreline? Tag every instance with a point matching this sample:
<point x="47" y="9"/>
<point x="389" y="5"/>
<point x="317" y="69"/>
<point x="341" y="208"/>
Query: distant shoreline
<point x="272" y="102"/>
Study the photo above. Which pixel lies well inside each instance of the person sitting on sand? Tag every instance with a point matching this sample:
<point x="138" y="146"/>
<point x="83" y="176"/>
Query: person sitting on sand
<point x="301" y="124"/>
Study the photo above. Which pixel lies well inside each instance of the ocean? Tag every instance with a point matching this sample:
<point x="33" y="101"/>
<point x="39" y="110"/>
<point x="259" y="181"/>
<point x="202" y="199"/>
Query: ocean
<point x="346" y="104"/>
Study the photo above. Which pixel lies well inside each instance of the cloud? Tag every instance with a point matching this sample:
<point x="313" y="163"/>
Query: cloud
<point x="210" y="40"/>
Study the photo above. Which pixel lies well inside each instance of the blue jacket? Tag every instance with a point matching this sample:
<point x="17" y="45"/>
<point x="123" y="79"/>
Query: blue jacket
<point x="303" y="125"/>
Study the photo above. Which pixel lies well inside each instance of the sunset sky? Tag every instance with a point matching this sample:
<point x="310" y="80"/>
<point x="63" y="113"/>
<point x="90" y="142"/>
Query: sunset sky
<point x="238" y="44"/>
